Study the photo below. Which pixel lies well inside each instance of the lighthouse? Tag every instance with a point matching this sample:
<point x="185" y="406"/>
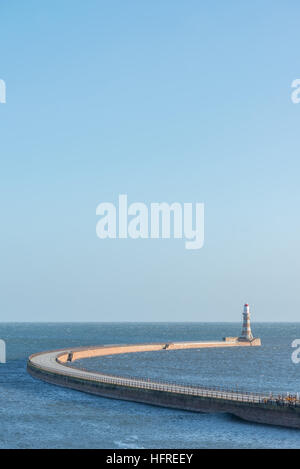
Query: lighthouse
<point x="246" y="337"/>
<point x="246" y="329"/>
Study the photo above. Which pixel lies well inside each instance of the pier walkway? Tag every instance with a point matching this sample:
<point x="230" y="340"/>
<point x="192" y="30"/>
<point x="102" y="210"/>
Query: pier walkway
<point x="55" y="367"/>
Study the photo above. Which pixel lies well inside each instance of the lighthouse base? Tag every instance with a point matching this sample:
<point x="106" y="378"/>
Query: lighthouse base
<point x="241" y="341"/>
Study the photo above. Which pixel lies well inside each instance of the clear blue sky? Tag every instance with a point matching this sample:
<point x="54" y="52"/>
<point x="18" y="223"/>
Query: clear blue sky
<point x="163" y="101"/>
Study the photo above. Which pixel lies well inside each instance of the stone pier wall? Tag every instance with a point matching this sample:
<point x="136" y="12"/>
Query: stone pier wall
<point x="260" y="413"/>
<point x="51" y="367"/>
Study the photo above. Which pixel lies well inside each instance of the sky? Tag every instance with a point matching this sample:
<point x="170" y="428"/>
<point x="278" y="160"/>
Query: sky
<point x="165" y="101"/>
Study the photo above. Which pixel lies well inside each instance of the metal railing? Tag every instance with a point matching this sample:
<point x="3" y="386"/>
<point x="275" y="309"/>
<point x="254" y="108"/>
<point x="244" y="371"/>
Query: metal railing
<point x="213" y="392"/>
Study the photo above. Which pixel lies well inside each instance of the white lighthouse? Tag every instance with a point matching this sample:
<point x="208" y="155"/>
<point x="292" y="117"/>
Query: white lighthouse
<point x="246" y="329"/>
<point x="246" y="337"/>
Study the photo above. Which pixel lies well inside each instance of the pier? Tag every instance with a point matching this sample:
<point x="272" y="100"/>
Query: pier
<point x="57" y="367"/>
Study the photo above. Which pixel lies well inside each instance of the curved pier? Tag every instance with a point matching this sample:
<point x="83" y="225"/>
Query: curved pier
<point x="54" y="367"/>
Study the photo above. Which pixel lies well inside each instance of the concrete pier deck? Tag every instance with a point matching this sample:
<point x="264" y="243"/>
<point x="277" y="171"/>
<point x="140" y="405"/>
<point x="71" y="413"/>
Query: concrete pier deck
<point x="53" y="367"/>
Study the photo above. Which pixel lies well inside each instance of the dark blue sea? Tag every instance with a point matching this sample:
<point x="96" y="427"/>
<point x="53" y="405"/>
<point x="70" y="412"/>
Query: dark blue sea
<point x="34" y="414"/>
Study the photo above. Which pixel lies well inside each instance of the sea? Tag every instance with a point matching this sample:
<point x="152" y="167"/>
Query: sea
<point x="34" y="414"/>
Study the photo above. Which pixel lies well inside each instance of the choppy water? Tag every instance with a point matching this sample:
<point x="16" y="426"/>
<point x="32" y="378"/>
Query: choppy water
<point x="34" y="414"/>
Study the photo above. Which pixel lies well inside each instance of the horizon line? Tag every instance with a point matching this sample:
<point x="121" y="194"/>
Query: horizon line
<point x="141" y="322"/>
